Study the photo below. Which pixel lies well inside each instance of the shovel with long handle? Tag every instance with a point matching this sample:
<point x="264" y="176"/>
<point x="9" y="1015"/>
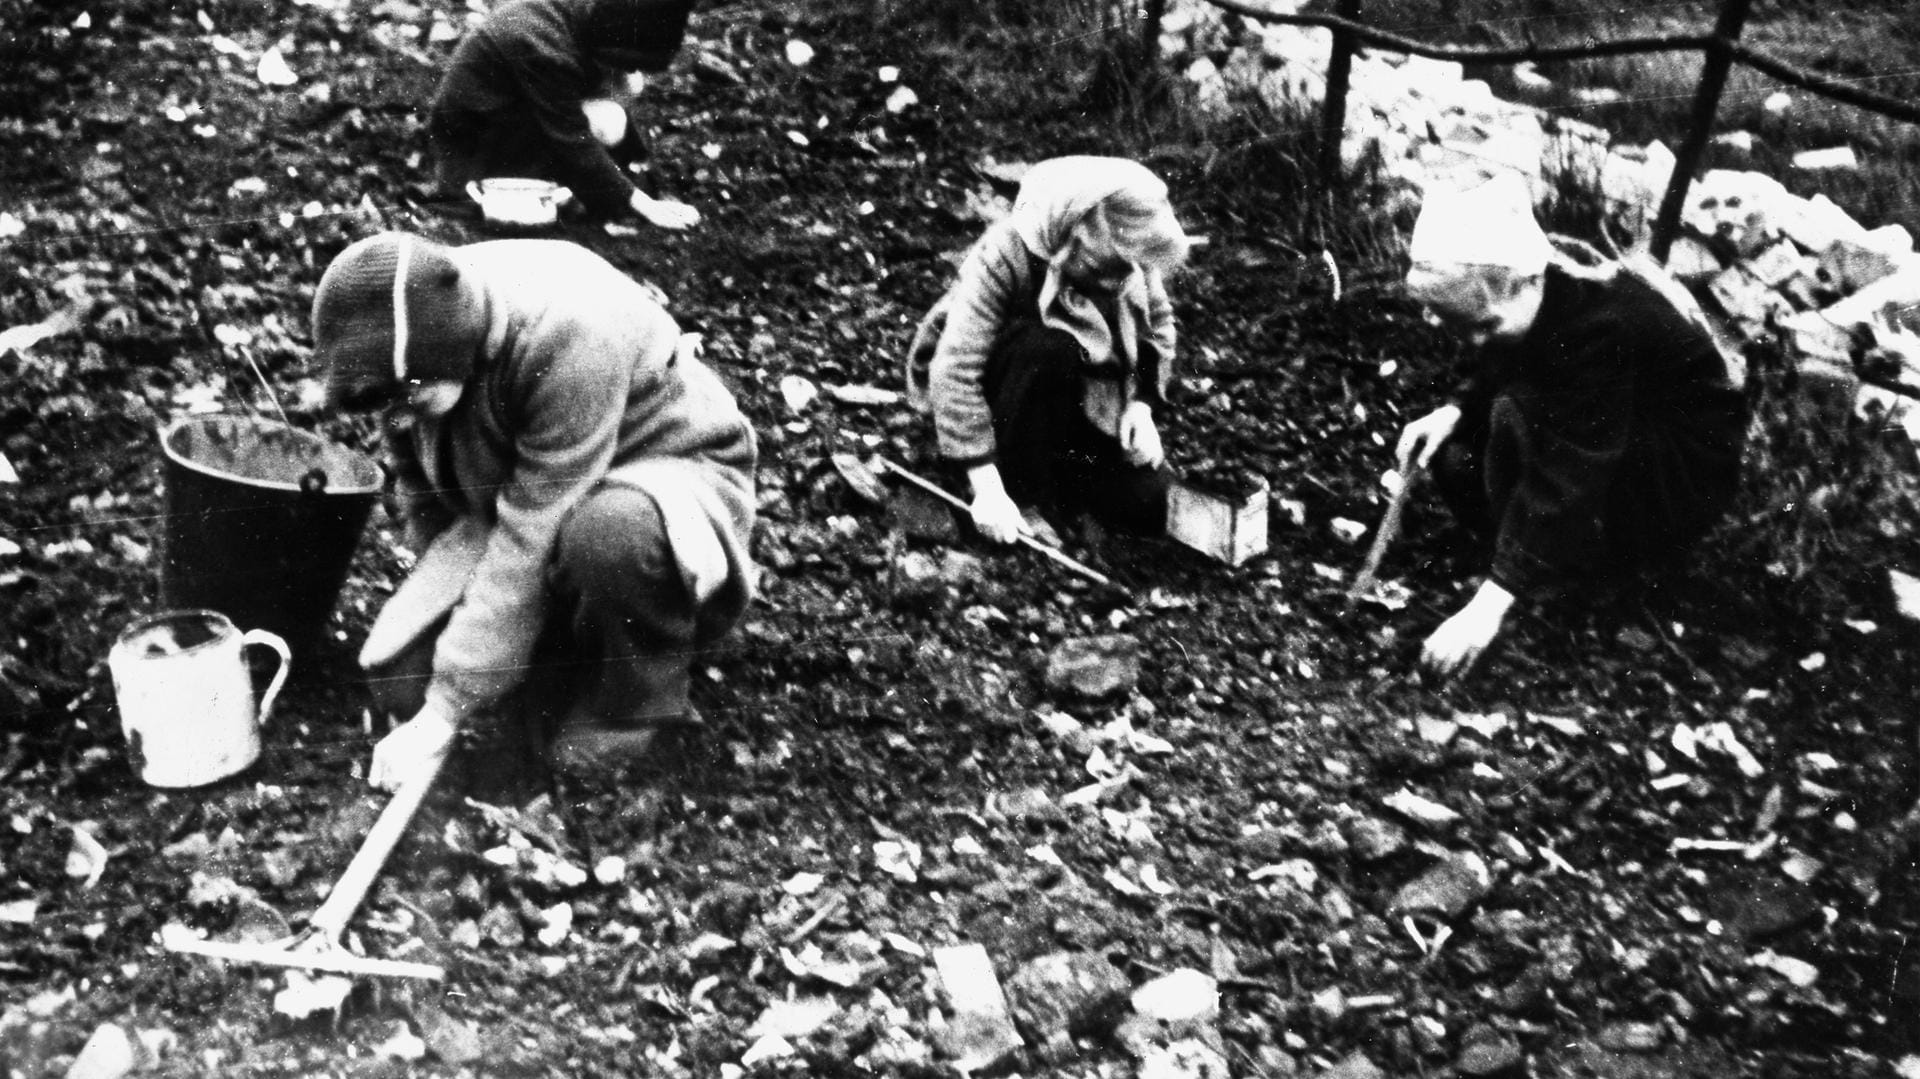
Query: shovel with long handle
<point x="318" y="947"/>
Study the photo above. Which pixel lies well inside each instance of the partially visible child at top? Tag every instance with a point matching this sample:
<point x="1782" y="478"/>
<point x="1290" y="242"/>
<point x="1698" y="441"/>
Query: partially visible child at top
<point x="543" y="89"/>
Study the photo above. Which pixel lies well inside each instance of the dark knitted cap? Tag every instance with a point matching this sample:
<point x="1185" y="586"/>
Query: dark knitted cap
<point x="643" y="33"/>
<point x="373" y="337"/>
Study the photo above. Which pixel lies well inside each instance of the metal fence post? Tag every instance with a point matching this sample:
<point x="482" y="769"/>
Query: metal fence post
<point x="1706" y="105"/>
<point x="1333" y="122"/>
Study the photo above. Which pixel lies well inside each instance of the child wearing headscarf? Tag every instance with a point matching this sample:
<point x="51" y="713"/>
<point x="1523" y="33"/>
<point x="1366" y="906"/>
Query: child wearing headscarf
<point x="1601" y="430"/>
<point x="1043" y="364"/>
<point x="579" y="487"/>
<point x="535" y="91"/>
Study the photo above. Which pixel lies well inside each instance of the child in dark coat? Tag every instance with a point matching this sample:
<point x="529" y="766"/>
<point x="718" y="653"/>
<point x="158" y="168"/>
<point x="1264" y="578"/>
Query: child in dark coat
<point x="532" y="92"/>
<point x="1601" y="431"/>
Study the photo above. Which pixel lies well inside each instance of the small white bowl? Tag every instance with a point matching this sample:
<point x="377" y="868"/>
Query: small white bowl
<point x="513" y="200"/>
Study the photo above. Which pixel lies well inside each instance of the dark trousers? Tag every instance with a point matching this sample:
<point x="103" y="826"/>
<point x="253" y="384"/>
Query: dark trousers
<point x="621" y="633"/>
<point x="1050" y="455"/>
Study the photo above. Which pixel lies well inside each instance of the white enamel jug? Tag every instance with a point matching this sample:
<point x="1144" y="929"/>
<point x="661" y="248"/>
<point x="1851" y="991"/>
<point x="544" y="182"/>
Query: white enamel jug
<point x="186" y="697"/>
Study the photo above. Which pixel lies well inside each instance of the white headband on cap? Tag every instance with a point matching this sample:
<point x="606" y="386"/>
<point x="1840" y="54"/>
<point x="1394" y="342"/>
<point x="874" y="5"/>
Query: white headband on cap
<point x="1488" y="225"/>
<point x="400" y="268"/>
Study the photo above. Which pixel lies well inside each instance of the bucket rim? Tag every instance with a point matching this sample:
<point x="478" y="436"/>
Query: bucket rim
<point x="173" y="427"/>
<point x="147" y="621"/>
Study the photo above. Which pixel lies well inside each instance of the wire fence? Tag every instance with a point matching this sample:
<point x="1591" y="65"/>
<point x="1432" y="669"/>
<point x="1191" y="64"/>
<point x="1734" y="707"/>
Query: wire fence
<point x="1721" y="48"/>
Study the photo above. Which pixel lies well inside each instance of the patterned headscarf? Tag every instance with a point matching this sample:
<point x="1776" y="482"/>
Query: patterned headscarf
<point x="1055" y="197"/>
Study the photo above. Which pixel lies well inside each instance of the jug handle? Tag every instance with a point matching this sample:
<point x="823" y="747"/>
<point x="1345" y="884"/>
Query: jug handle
<point x="269" y="640"/>
<point x="473" y="191"/>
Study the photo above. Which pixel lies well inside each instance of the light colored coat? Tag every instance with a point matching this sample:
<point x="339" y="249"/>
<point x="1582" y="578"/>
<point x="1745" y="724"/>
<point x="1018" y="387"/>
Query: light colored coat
<point x="581" y="382"/>
<point x="1000" y="284"/>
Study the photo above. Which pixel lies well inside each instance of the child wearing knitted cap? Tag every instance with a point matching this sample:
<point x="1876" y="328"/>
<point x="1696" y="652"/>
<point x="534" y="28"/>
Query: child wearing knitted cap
<point x="579" y="487"/>
<point x="533" y="91"/>
<point x="1600" y="430"/>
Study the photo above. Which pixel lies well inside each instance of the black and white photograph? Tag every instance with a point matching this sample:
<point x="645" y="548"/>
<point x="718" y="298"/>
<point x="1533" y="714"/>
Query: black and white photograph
<point x="931" y="539"/>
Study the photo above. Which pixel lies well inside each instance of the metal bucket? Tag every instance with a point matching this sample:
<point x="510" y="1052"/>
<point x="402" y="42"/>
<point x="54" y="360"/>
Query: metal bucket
<point x="262" y="521"/>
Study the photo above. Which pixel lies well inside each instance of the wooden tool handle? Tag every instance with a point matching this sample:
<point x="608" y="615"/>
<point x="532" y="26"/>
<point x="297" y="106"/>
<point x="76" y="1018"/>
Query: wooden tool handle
<point x="1024" y="539"/>
<point x="323" y="956"/>
<point x="1384" y="536"/>
<point x="334" y="914"/>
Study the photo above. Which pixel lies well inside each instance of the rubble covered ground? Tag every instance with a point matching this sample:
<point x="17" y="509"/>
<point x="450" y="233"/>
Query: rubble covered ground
<point x="1659" y="833"/>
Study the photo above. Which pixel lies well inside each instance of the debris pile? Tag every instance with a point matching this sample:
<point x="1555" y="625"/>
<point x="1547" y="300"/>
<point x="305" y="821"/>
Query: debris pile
<point x="1842" y="298"/>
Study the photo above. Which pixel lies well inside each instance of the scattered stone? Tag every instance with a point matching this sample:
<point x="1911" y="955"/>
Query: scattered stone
<point x="1741" y="141"/>
<point x="156" y="1045"/>
<point x="454" y="1041"/>
<point x="922" y="516"/>
<point x="980" y="1031"/>
<point x="1418" y="809"/>
<point x="255" y="921"/>
<point x="794" y="1018"/>
<point x="957" y="568"/>
<point x="1906" y="594"/>
<point x="1446" y="890"/>
<point x="306" y="994"/>
<point x="1762" y="904"/>
<point x="1778" y="263"/>
<point x="1188" y="1058"/>
<point x="1326" y="840"/>
<point x="1180" y="999"/>
<point x="1276" y="1063"/>
<point x="501" y="925"/>
<point x="1298" y="872"/>
<point x="770" y="1047"/>
<point x="1267" y="845"/>
<point x="1853" y="264"/>
<point x="1529" y="995"/>
<point x="404" y="1044"/>
<point x="1355" y="1066"/>
<point x="864" y="396"/>
<point x="1833" y="158"/>
<point x="1063" y="994"/>
<point x="1373" y="839"/>
<point x="26" y="1039"/>
<point x="108" y="1054"/>
<point x="1632" y="1037"/>
<point x="1095" y="667"/>
<point x="1486" y="1053"/>
<point x="1691" y="261"/>
<point x="1797" y="971"/>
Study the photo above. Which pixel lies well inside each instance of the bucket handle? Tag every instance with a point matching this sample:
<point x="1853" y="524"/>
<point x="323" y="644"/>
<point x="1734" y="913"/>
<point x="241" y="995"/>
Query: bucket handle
<point x="271" y="640"/>
<point x="314" y="482"/>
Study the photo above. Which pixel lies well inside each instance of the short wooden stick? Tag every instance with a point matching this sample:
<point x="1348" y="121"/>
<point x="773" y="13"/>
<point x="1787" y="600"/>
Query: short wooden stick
<point x="1384" y="536"/>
